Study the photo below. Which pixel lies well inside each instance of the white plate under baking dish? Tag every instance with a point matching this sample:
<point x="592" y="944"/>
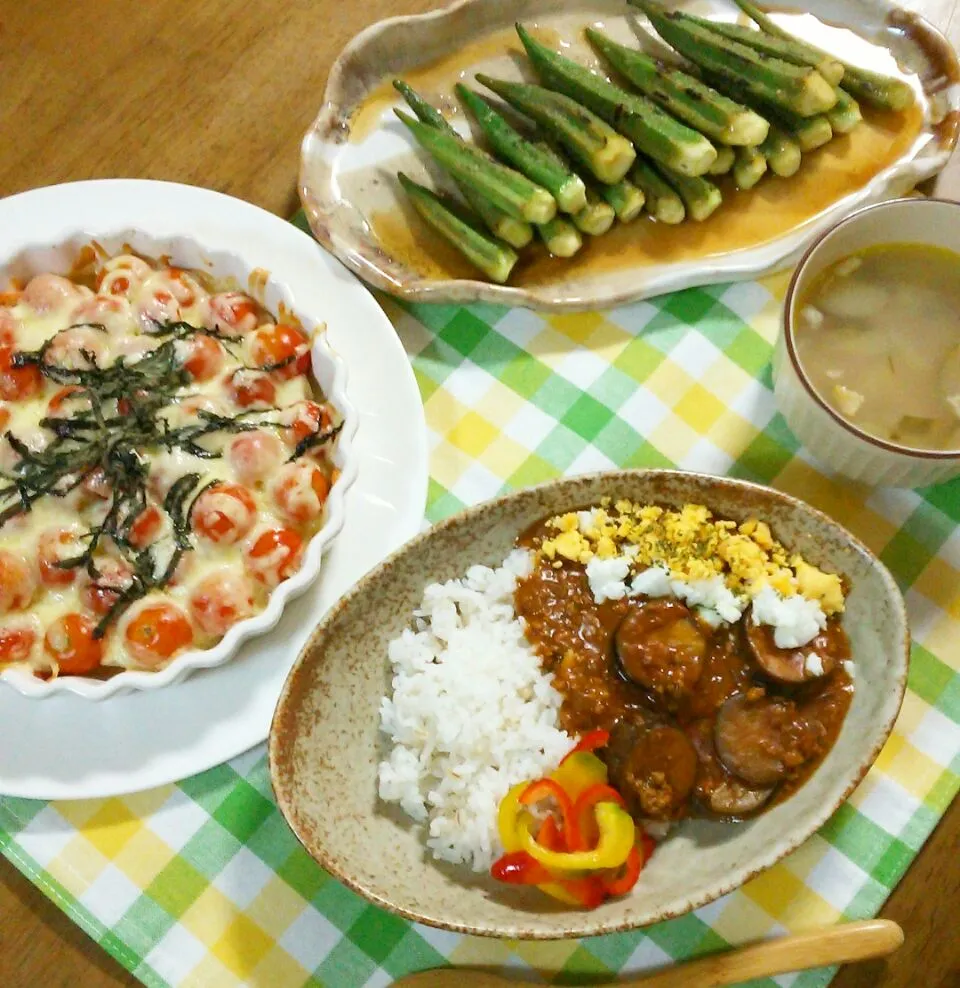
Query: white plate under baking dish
<point x="353" y="150"/>
<point x="142" y="739"/>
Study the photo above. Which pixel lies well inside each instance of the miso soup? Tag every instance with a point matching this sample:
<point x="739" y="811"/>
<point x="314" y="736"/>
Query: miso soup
<point x="878" y="334"/>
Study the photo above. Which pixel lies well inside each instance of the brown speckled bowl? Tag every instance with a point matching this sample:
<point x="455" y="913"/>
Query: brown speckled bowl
<point x="324" y="744"/>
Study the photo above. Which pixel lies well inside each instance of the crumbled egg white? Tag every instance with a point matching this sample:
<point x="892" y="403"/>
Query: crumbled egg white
<point x="715" y="566"/>
<point x="813" y="664"/>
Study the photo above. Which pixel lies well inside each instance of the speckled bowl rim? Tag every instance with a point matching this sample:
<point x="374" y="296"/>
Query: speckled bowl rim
<point x="904" y="202"/>
<point x="279" y="741"/>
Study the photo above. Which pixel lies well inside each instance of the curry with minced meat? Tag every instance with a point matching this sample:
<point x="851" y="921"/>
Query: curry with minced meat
<point x="703" y="721"/>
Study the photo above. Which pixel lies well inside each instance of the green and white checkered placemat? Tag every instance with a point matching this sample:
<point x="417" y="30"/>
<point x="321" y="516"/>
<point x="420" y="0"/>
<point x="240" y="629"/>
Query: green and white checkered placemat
<point x="202" y="884"/>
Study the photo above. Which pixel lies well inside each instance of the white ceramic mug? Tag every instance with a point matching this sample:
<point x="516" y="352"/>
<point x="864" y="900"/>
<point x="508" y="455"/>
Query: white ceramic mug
<point x="836" y="443"/>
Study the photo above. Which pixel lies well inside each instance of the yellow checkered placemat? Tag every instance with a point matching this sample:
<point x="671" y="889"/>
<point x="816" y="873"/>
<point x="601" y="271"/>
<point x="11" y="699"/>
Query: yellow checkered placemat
<point x="202" y="884"/>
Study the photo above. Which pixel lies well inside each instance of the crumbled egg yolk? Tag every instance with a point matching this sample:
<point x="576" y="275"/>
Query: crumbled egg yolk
<point x="693" y="546"/>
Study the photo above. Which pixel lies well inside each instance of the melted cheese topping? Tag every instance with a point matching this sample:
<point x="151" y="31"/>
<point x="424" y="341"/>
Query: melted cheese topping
<point x="125" y="316"/>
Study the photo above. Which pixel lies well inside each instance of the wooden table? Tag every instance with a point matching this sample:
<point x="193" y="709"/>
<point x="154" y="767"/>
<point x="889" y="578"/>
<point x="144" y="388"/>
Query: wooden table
<point x="218" y="93"/>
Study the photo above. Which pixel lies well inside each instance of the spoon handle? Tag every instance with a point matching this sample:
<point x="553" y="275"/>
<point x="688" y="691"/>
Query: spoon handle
<point x="834" y="945"/>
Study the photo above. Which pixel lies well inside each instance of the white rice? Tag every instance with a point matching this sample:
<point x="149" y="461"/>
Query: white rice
<point x="471" y="713"/>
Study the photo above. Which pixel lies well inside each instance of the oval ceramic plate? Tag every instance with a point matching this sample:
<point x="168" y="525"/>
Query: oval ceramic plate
<point x="325" y="744"/>
<point x="352" y="152"/>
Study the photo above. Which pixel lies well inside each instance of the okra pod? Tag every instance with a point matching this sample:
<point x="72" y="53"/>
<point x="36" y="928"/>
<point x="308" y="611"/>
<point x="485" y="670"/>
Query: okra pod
<point x="700" y="196"/>
<point x="503" y="186"/>
<point x="560" y="236"/>
<point x="651" y="129"/>
<point x="786" y="48"/>
<point x="596" y="217"/>
<point x="884" y="92"/>
<point x="493" y="258"/>
<point x="799" y="88"/>
<point x="845" y="114"/>
<point x="724" y="161"/>
<point x="663" y="203"/>
<point x="509" y="144"/>
<point x="591" y="141"/>
<point x="749" y="167"/>
<point x="687" y="98"/>
<point x="517" y="233"/>
<point x="782" y="153"/>
<point x="625" y="197"/>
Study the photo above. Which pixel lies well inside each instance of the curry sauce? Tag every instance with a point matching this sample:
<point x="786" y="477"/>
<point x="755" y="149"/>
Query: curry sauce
<point x="703" y="720"/>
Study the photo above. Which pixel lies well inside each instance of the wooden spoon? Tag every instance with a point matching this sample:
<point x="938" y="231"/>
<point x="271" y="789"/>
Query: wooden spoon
<point x="832" y="945"/>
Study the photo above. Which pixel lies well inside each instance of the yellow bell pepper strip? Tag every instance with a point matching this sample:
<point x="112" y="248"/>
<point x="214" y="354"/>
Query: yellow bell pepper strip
<point x="586" y="848"/>
<point x="586" y="892"/>
<point x="520" y="868"/>
<point x="617" y="836"/>
<point x="544" y="789"/>
<point x="579" y="771"/>
<point x="584" y="811"/>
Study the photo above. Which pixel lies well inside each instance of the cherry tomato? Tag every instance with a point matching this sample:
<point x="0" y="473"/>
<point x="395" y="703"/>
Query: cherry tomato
<point x="146" y="527"/>
<point x="224" y="513"/>
<point x="158" y="308"/>
<point x="307" y="418"/>
<point x="183" y="287"/>
<point x="205" y="359"/>
<point x="109" y="311"/>
<point x="274" y="344"/>
<point x="17" y="383"/>
<point x="16" y="644"/>
<point x="248" y="388"/>
<point x="300" y="491"/>
<point x="134" y="269"/>
<point x="77" y="348"/>
<point x="17" y="582"/>
<point x="96" y="484"/>
<point x="101" y="594"/>
<point x="234" y="313"/>
<point x="220" y="600"/>
<point x="156" y="632"/>
<point x="56" y="545"/>
<point x="46" y="292"/>
<point x="256" y="455"/>
<point x="275" y="556"/>
<point x="69" y="640"/>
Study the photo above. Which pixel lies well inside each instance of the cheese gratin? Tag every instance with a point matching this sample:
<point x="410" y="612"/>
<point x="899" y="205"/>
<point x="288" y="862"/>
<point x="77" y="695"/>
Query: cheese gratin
<point x="165" y="457"/>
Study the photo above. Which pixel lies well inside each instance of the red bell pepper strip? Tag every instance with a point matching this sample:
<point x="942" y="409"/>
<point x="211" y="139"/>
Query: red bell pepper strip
<point x="590" y="741"/>
<point x="647" y="846"/>
<point x="519" y="868"/>
<point x="550" y="836"/>
<point x="621" y="881"/>
<point x="549" y="789"/>
<point x="584" y="811"/>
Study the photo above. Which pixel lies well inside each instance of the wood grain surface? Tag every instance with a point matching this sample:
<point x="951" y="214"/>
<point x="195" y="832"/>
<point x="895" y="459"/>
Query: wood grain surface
<point x="219" y="93"/>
